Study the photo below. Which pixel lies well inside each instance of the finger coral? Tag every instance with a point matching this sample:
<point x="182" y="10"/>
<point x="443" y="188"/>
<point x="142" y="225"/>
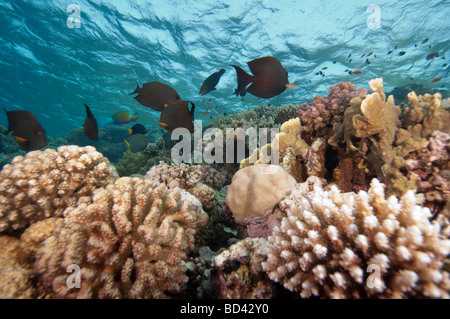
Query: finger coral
<point x="44" y="183"/>
<point x="128" y="243"/>
<point x="346" y="245"/>
<point x="323" y="112"/>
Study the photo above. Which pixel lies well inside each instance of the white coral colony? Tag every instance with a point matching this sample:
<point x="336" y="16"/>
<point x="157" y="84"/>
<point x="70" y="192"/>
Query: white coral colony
<point x="357" y="245"/>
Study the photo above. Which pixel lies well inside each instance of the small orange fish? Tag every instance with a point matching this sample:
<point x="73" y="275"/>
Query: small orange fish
<point x="9" y="158"/>
<point x="369" y="54"/>
<point x="203" y="100"/>
<point x="209" y="99"/>
<point x="109" y="137"/>
<point x="204" y="113"/>
<point x="355" y="72"/>
<point x="324" y="68"/>
<point x="435" y="80"/>
<point x="363" y="55"/>
<point x="209" y="107"/>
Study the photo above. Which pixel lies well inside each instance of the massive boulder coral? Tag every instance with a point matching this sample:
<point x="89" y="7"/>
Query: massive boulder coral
<point x="44" y="183"/>
<point x="128" y="243"/>
<point x="346" y="245"/>
<point x="256" y="189"/>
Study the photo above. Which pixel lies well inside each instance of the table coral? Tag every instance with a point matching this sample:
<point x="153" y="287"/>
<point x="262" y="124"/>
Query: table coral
<point x="44" y="183"/>
<point x="346" y="245"/>
<point x="128" y="242"/>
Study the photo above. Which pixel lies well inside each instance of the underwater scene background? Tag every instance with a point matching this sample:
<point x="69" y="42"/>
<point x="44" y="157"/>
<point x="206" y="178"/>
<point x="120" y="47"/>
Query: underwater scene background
<point x="358" y="206"/>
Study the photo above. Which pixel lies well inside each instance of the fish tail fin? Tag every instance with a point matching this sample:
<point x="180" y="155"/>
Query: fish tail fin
<point x="127" y="145"/>
<point x="137" y="90"/>
<point x="192" y="110"/>
<point x="243" y="79"/>
<point x="291" y="86"/>
<point x="130" y="131"/>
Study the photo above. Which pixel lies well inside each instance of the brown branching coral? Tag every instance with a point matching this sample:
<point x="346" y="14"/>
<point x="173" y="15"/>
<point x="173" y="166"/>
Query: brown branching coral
<point x="185" y="176"/>
<point x="128" y="243"/>
<point x="372" y="128"/>
<point x="346" y="245"/>
<point x="43" y="183"/>
<point x="15" y="278"/>
<point x="323" y="112"/>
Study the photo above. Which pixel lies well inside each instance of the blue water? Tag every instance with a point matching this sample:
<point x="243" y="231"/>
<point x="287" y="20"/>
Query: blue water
<point x="51" y="70"/>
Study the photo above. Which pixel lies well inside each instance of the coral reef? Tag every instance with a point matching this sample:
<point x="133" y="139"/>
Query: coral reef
<point x="15" y="278"/>
<point x="128" y="242"/>
<point x="185" y="176"/>
<point x="430" y="168"/>
<point x="256" y="189"/>
<point x="286" y="113"/>
<point x="44" y="183"/>
<point x="330" y="242"/>
<point x="131" y="163"/>
<point x="259" y="117"/>
<point x="373" y="130"/>
<point x="205" y="195"/>
<point x="246" y="280"/>
<point x="319" y="117"/>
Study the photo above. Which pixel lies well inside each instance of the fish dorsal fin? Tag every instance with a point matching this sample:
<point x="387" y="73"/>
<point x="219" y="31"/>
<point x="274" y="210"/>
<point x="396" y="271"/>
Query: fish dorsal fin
<point x="258" y="66"/>
<point x="137" y="90"/>
<point x="192" y="110"/>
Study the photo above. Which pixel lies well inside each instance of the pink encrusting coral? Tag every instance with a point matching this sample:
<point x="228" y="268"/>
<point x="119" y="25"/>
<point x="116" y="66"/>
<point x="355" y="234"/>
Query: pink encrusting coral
<point x="323" y="112"/>
<point x="430" y="168"/>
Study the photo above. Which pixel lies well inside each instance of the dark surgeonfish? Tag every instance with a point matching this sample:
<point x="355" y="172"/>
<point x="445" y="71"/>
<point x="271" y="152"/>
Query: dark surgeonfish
<point x="90" y="125"/>
<point x="270" y="78"/>
<point x="177" y="115"/>
<point x="137" y="129"/>
<point x="211" y="81"/>
<point x="136" y="142"/>
<point x="155" y="95"/>
<point x="27" y="131"/>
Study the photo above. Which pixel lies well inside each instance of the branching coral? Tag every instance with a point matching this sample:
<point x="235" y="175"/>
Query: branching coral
<point x="185" y="176"/>
<point x="248" y="281"/>
<point x="128" y="242"/>
<point x="323" y="112"/>
<point x="430" y="168"/>
<point x="346" y="245"/>
<point x="43" y="183"/>
<point x="372" y="129"/>
<point x="15" y="279"/>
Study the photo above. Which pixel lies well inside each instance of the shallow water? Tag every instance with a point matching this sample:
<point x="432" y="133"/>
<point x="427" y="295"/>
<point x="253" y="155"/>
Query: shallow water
<point x="51" y="69"/>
